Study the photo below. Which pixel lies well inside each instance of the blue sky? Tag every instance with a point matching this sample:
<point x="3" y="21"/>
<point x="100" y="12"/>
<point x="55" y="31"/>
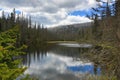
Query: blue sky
<point x="80" y="12"/>
<point x="51" y="12"/>
<point x="18" y="12"/>
<point x="0" y="9"/>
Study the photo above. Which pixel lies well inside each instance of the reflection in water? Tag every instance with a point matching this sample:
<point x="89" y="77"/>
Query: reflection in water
<point x="58" y="63"/>
<point x="75" y="45"/>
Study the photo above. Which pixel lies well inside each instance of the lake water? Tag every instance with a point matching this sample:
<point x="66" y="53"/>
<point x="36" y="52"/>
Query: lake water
<point x="59" y="62"/>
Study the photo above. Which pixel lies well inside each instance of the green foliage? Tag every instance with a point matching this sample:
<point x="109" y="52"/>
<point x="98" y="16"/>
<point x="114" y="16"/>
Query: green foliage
<point x="7" y="73"/>
<point x="29" y="78"/>
<point x="8" y="52"/>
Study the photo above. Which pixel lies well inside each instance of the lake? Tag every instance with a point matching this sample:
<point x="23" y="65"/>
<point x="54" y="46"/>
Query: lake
<point x="63" y="61"/>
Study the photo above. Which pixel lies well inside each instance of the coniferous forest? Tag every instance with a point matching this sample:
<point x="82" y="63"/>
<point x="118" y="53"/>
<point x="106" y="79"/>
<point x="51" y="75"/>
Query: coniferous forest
<point x="17" y="33"/>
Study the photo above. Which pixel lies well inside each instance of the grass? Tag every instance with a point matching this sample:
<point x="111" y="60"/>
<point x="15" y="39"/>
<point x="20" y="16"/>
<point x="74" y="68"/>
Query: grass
<point x="54" y="42"/>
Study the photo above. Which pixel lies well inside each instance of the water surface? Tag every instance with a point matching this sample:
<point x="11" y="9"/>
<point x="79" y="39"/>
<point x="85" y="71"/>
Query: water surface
<point x="60" y="62"/>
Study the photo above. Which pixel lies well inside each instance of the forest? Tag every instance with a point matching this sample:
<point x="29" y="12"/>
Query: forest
<point x="17" y="33"/>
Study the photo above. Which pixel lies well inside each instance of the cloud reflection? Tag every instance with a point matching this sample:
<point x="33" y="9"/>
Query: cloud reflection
<point x="53" y="65"/>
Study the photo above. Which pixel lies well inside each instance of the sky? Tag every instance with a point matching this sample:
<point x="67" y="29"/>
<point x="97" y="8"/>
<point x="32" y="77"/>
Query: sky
<point x="51" y="12"/>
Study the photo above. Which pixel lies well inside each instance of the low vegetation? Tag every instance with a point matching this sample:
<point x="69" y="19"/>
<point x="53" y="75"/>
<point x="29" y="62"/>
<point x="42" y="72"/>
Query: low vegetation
<point x="8" y="55"/>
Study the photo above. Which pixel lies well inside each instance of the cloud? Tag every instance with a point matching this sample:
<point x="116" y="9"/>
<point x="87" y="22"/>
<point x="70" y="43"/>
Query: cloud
<point x="50" y="12"/>
<point x="72" y="20"/>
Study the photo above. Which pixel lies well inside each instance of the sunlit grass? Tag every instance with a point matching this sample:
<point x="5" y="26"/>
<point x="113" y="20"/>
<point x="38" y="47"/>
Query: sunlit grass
<point x="61" y="42"/>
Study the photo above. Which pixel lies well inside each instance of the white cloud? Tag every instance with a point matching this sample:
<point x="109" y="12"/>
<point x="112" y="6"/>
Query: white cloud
<point x="50" y="12"/>
<point x="72" y="20"/>
<point x="55" y="62"/>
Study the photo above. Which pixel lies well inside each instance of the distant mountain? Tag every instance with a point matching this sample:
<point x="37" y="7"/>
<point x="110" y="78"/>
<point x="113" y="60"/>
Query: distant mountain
<point x="71" y="27"/>
<point x="70" y="32"/>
